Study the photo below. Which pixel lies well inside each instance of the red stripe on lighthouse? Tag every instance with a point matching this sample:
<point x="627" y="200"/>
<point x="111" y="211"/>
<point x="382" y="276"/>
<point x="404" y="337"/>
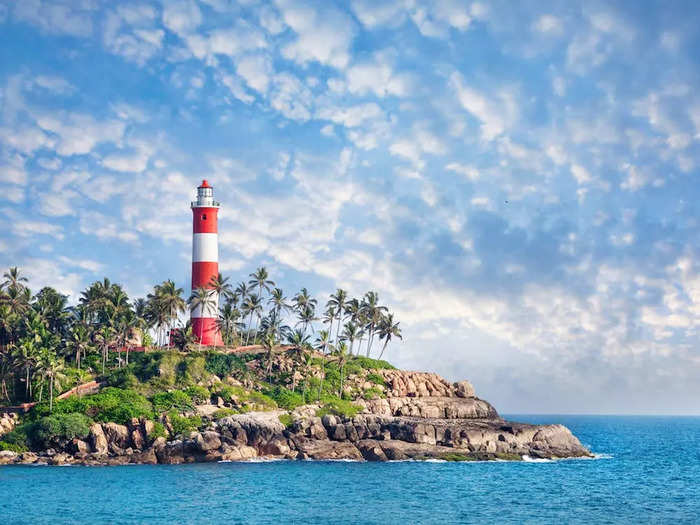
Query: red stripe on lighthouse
<point x="202" y="272"/>
<point x="204" y="220"/>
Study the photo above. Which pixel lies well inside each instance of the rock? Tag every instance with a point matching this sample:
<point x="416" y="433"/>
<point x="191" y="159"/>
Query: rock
<point x="117" y="435"/>
<point x="371" y="450"/>
<point x="147" y="457"/>
<point x="207" y="441"/>
<point x="28" y="457"/>
<point x="276" y="447"/>
<point x="60" y="459"/>
<point x="78" y="446"/>
<point x="137" y="439"/>
<point x="241" y="453"/>
<point x="326" y="449"/>
<point x="98" y="440"/>
<point x="147" y="427"/>
<point x="7" y="457"/>
<point x="463" y="389"/>
<point x="171" y="453"/>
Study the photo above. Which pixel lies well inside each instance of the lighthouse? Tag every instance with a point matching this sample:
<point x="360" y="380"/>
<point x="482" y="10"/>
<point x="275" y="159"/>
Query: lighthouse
<point x="205" y="264"/>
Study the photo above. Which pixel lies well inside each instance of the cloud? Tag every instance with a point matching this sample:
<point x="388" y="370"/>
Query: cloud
<point x="57" y="16"/>
<point x="496" y="114"/>
<point x="324" y="34"/>
<point x="78" y="134"/>
<point x="378" y="77"/>
<point x="549" y="24"/>
<point x="350" y="116"/>
<point x="291" y="97"/>
<point x="181" y="16"/>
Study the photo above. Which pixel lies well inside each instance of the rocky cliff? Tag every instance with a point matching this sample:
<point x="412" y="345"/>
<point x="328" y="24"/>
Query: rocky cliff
<point x="420" y="416"/>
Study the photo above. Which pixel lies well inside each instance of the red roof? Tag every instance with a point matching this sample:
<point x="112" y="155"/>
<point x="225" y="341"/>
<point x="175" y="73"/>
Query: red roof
<point x="205" y="184"/>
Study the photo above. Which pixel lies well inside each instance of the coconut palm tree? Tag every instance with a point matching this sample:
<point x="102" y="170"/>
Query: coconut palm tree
<point x="269" y="342"/>
<point x="338" y="302"/>
<point x="306" y="317"/>
<point x="52" y="369"/>
<point x="388" y="329"/>
<point x="252" y="305"/>
<point x="341" y="356"/>
<point x="202" y="298"/>
<point x="260" y="278"/>
<point x="278" y="302"/>
<point x="373" y="314"/>
<point x="25" y="356"/>
<point x="78" y="341"/>
<point x="221" y="286"/>
<point x="104" y="337"/>
<point x="328" y="318"/>
<point x="322" y="342"/>
<point x="350" y="333"/>
<point x="172" y="302"/>
<point x="303" y="299"/>
<point x="14" y="279"/>
<point x="228" y="321"/>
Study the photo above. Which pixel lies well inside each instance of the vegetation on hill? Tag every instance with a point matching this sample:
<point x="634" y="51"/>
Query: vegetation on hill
<point x="48" y="347"/>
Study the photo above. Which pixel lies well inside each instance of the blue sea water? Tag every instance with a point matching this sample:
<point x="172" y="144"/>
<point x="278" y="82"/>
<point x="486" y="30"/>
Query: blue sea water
<point x="648" y="471"/>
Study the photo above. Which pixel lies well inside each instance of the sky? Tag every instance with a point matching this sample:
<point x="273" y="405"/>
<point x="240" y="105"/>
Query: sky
<point x="518" y="181"/>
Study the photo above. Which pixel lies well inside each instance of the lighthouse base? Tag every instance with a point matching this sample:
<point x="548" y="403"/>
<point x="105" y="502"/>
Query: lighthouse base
<point x="206" y="331"/>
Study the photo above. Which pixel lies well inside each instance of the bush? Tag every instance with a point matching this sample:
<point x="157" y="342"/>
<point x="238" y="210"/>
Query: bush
<point x="199" y="394"/>
<point x="372" y="393"/>
<point x="246" y="400"/>
<point x="285" y="398"/>
<point x="372" y="364"/>
<point x="339" y="407"/>
<point x="177" y="399"/>
<point x="158" y="431"/>
<point x="12" y="447"/>
<point x="58" y="426"/>
<point x="192" y="370"/>
<point x="224" y="365"/>
<point x="224" y="412"/>
<point x="111" y="404"/>
<point x="122" y="378"/>
<point x="18" y="436"/>
<point x="375" y="378"/>
<point x="183" y="424"/>
<point x="286" y="419"/>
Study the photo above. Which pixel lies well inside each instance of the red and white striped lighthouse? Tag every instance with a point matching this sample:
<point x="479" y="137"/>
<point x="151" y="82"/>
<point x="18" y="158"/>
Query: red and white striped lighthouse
<point x="205" y="263"/>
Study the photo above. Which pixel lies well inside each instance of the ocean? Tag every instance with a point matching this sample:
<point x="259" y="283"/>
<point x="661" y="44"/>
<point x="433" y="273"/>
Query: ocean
<point x="647" y="470"/>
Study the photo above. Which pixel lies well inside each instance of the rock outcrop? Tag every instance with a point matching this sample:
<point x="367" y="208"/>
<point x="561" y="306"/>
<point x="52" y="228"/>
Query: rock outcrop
<point x="421" y="416"/>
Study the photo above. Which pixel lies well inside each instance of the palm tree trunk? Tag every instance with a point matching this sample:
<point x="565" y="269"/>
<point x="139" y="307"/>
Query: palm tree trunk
<point x="383" y="348"/>
<point x="51" y="395"/>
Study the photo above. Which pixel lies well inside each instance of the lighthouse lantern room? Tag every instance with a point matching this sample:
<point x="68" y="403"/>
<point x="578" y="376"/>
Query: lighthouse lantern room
<point x="205" y="264"/>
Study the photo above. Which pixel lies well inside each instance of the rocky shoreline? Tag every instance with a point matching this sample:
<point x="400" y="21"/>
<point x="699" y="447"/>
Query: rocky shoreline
<point x="422" y="416"/>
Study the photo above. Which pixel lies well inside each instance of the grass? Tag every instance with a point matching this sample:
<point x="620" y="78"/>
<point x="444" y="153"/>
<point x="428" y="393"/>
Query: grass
<point x="339" y="407"/>
<point x="286" y="420"/>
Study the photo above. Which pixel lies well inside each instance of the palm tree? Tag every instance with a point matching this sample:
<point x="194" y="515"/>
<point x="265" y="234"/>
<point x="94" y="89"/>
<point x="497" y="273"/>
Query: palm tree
<point x="341" y="357"/>
<point x="52" y="368"/>
<point x="260" y="278"/>
<point x="202" y="298"/>
<point x="269" y="343"/>
<point x="251" y="305"/>
<point x="322" y="341"/>
<point x="172" y="302"/>
<point x="25" y="355"/>
<point x="78" y="341"/>
<point x="303" y="300"/>
<point x="350" y="333"/>
<point x="221" y="286"/>
<point x="338" y="302"/>
<point x="328" y="318"/>
<point x="103" y="338"/>
<point x="279" y="303"/>
<point x="14" y="279"/>
<point x="306" y="317"/>
<point x="388" y="329"/>
<point x="228" y="321"/>
<point x="373" y="313"/>
<point x="301" y="343"/>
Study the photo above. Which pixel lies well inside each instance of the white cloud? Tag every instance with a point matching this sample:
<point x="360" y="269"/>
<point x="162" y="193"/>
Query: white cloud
<point x="352" y="116"/>
<point x="376" y="76"/>
<point x="549" y="24"/>
<point x="181" y="16"/>
<point x="290" y="97"/>
<point x="57" y="16"/>
<point x="470" y="172"/>
<point x="496" y="114"/>
<point x="324" y="35"/>
<point x="256" y="70"/>
<point x="78" y="134"/>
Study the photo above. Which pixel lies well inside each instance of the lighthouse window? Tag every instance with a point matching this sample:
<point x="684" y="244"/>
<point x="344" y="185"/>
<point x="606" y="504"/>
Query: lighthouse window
<point x="204" y="216"/>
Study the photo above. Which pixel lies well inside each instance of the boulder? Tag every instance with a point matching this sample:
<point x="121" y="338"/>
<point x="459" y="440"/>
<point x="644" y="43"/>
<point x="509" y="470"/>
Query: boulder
<point x="240" y="453"/>
<point x="137" y="439"/>
<point x="207" y="441"/>
<point x="276" y="447"/>
<point x="98" y="440"/>
<point x="7" y="457"/>
<point x="371" y="450"/>
<point x="326" y="449"/>
<point x="117" y="435"/>
<point x="463" y="389"/>
<point x="78" y="446"/>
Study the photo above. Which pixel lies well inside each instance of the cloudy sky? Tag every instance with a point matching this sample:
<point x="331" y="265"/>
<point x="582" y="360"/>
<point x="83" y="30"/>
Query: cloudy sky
<point x="519" y="183"/>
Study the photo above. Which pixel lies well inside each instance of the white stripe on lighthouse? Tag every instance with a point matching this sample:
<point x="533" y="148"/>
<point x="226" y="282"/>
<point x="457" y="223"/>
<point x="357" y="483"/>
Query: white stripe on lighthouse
<point x="205" y="247"/>
<point x="212" y="310"/>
